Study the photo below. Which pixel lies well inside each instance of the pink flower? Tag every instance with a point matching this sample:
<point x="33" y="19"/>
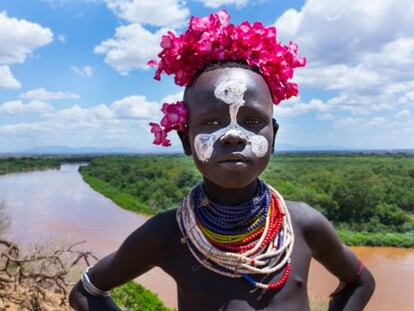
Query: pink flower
<point x="152" y="63"/>
<point x="212" y="38"/>
<point x="291" y="90"/>
<point x="175" y="116"/>
<point x="160" y="135"/>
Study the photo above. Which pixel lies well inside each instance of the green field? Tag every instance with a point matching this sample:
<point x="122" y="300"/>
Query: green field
<point x="369" y="198"/>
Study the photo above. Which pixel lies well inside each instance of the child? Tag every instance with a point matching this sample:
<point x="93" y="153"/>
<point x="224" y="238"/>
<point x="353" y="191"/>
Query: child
<point x="233" y="243"/>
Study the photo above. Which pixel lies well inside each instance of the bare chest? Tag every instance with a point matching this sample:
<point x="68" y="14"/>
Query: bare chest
<point x="201" y="289"/>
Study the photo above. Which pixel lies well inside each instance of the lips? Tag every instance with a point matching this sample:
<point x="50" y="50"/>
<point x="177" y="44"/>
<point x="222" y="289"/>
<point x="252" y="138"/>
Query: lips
<point x="234" y="163"/>
<point x="234" y="158"/>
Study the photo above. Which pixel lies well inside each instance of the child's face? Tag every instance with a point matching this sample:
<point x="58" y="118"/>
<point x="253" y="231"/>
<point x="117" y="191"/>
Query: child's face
<point x="231" y="133"/>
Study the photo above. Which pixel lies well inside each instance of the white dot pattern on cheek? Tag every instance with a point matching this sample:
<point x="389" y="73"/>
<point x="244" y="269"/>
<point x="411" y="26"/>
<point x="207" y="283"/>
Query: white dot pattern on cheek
<point x="232" y="93"/>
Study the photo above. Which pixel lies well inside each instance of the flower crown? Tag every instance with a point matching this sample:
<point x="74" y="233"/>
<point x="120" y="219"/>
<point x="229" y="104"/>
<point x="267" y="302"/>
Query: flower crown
<point x="212" y="39"/>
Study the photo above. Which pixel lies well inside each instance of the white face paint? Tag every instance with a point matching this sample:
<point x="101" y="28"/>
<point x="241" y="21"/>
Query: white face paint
<point x="232" y="93"/>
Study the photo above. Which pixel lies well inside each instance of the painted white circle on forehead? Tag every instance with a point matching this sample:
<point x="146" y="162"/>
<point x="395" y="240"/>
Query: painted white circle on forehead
<point x="231" y="91"/>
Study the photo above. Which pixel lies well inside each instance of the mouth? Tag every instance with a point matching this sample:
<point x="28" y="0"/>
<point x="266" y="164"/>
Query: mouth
<point x="234" y="160"/>
<point x="234" y="157"/>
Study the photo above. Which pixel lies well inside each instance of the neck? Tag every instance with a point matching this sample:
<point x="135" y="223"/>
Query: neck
<point x="229" y="196"/>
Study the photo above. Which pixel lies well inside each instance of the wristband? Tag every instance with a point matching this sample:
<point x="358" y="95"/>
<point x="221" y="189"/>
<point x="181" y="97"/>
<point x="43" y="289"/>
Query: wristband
<point x="347" y="281"/>
<point x="90" y="288"/>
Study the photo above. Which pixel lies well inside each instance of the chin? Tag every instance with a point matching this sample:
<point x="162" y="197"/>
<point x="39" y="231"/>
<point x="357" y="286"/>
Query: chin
<point x="231" y="180"/>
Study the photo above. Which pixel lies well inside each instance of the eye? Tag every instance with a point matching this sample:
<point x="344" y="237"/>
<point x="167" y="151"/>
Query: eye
<point x="211" y="122"/>
<point x="253" y="121"/>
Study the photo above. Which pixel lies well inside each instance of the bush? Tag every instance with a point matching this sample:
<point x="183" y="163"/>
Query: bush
<point x="136" y="298"/>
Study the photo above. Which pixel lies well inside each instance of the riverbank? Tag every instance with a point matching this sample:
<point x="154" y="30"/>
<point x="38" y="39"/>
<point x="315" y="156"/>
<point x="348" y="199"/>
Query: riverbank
<point x="393" y="239"/>
<point x="126" y="200"/>
<point x="123" y="200"/>
<point x="10" y="165"/>
<point x="17" y="165"/>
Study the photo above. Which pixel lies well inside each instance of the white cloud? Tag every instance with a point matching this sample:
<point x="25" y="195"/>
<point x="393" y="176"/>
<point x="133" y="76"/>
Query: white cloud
<point x="173" y="98"/>
<point x="131" y="48"/>
<point x="325" y="116"/>
<point x="86" y="117"/>
<point x="343" y="31"/>
<point x="339" y="77"/>
<point x="169" y="13"/>
<point x="19" y="128"/>
<point x="19" y="38"/>
<point x="349" y="121"/>
<point x="135" y="107"/>
<point x="7" y="80"/>
<point x="42" y="94"/>
<point x="123" y="122"/>
<point x="376" y="121"/>
<point x="18" y="107"/>
<point x="217" y="3"/>
<point x="294" y="107"/>
<point x="86" y="71"/>
<point x="361" y="48"/>
<point x="403" y="113"/>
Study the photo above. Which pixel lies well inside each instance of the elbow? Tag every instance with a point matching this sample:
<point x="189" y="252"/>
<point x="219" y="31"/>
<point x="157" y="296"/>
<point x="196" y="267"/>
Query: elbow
<point x="368" y="282"/>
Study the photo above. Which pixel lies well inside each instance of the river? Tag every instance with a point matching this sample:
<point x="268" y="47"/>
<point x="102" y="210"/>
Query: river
<point x="55" y="205"/>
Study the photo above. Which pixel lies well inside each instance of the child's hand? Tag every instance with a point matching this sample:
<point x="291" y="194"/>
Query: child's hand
<point x="80" y="300"/>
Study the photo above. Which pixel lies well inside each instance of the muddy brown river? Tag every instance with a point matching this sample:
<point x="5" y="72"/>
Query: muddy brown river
<point x="57" y="204"/>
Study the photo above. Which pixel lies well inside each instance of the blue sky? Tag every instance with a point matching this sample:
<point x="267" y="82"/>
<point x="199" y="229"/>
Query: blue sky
<point x="73" y="72"/>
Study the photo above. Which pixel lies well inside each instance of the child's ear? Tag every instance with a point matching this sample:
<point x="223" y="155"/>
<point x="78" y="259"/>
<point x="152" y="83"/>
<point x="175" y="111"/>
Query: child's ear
<point x="275" y="128"/>
<point x="185" y="141"/>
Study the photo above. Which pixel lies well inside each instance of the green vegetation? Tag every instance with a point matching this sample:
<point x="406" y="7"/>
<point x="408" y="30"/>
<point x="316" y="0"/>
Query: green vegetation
<point x="353" y="238"/>
<point x="136" y="298"/>
<point x="125" y="200"/>
<point x="12" y="165"/>
<point x="372" y="193"/>
<point x="26" y="164"/>
<point x="369" y="198"/>
<point x="150" y="183"/>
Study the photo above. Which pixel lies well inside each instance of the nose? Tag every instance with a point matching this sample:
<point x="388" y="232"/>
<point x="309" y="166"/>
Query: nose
<point x="233" y="137"/>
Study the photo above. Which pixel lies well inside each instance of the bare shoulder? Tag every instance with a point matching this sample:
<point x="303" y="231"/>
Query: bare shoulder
<point x="305" y="217"/>
<point x="148" y="243"/>
<point x="316" y="229"/>
<point x="160" y="227"/>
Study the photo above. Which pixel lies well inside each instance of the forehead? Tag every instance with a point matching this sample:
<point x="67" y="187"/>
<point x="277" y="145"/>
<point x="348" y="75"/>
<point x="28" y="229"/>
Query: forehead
<point x="201" y="99"/>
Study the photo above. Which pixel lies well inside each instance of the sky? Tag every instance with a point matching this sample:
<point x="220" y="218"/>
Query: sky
<point x="73" y="72"/>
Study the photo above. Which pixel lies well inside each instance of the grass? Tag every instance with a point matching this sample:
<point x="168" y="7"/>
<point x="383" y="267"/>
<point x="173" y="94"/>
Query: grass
<point x="353" y="238"/>
<point x="318" y="305"/>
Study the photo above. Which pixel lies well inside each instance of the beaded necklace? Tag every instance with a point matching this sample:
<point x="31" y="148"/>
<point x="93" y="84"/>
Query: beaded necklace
<point x="255" y="237"/>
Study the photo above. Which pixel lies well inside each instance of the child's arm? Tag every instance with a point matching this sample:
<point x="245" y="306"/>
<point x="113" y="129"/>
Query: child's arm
<point x="358" y="284"/>
<point x="140" y="252"/>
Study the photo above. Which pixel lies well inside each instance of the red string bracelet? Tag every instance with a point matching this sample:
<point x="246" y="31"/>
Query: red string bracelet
<point x="347" y="281"/>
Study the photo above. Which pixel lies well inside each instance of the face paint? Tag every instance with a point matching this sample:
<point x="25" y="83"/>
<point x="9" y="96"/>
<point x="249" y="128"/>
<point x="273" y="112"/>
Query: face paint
<point x="232" y="93"/>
